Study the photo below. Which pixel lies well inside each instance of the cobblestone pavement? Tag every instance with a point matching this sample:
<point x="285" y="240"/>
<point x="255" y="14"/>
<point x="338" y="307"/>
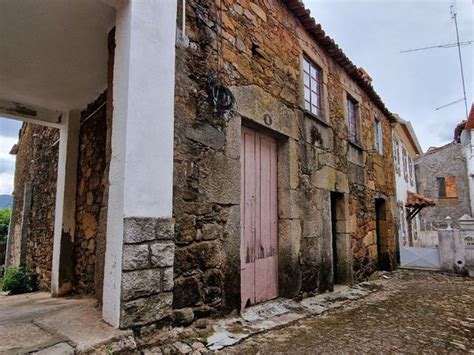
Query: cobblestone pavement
<point x="414" y="312"/>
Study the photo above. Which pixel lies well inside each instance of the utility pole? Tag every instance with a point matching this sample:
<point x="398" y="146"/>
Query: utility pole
<point x="454" y="16"/>
<point x="458" y="44"/>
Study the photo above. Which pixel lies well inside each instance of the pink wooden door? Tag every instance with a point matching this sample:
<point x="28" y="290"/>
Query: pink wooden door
<point x="259" y="218"/>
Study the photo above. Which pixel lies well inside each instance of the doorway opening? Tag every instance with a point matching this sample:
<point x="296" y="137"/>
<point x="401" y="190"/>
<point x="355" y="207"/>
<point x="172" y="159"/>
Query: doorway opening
<point x="383" y="261"/>
<point x="340" y="240"/>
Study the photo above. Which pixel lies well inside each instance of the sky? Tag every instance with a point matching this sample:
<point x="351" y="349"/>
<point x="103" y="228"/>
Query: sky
<point x="8" y="137"/>
<point x="372" y="33"/>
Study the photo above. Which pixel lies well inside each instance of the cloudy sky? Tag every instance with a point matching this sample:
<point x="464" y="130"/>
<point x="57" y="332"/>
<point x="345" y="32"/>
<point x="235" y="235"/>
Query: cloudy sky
<point x="8" y="137"/>
<point x="372" y="33"/>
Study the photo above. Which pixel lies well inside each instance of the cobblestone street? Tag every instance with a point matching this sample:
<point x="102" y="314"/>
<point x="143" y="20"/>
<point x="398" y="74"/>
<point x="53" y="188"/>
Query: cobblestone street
<point x="413" y="312"/>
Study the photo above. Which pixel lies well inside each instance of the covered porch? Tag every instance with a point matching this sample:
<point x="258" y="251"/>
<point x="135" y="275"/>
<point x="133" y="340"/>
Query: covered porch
<point x="59" y="57"/>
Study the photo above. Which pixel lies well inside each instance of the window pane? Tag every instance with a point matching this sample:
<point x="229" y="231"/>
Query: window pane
<point x="314" y="109"/>
<point x="314" y="99"/>
<point x="306" y="94"/>
<point x="314" y="85"/>
<point x="307" y="105"/>
<point x="306" y="65"/>
<point x="306" y="79"/>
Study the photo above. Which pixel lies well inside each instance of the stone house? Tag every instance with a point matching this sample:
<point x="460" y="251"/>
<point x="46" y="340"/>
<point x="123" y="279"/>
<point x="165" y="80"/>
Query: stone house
<point x="238" y="158"/>
<point x="442" y="175"/>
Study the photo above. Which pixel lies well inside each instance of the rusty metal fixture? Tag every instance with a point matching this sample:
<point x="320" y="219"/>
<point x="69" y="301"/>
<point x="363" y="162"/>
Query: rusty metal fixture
<point x="220" y="97"/>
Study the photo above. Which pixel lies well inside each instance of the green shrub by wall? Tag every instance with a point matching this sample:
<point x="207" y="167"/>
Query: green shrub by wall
<point x="19" y="280"/>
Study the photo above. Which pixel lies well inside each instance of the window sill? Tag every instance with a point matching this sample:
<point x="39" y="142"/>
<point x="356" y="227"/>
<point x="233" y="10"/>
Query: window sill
<point x="356" y="145"/>
<point x="319" y="118"/>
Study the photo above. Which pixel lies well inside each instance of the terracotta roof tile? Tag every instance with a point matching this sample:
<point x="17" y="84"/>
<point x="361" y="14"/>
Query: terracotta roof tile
<point x="415" y="200"/>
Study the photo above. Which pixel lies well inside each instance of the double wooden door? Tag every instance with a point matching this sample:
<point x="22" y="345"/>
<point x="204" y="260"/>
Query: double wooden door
<point x="259" y="218"/>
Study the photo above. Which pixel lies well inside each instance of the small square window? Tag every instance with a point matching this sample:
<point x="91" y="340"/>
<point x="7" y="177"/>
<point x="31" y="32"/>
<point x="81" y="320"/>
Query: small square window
<point x="312" y="79"/>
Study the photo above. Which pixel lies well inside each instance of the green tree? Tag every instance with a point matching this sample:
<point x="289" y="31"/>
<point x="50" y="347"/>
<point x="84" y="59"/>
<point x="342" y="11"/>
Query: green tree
<point x="5" y="214"/>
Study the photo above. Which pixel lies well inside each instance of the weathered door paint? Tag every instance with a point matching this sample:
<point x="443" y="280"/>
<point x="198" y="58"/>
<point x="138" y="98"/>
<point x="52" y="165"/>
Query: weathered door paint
<point x="259" y="218"/>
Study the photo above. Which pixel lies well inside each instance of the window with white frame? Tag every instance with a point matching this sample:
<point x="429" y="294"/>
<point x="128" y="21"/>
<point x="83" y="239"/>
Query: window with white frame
<point x="396" y="155"/>
<point x="378" y="136"/>
<point x="353" y="120"/>
<point x="313" y="87"/>
<point x="405" y="164"/>
<point x="411" y="172"/>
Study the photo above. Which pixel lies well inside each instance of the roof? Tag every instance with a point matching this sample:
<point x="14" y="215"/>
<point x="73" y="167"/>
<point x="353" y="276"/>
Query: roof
<point x="14" y="149"/>
<point x="432" y="150"/>
<point x="410" y="132"/>
<point x="415" y="200"/>
<point x="327" y="43"/>
<point x="470" y="119"/>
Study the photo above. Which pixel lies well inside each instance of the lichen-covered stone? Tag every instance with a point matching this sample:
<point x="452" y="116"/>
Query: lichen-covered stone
<point x="135" y="257"/>
<point x="146" y="310"/>
<point x="162" y="254"/>
<point x="140" y="283"/>
<point x="138" y="230"/>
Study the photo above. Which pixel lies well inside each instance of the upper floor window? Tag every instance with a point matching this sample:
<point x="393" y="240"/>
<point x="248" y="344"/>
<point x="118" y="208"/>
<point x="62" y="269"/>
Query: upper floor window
<point x="396" y="155"/>
<point x="313" y="88"/>
<point x="447" y="187"/>
<point x="405" y="164"/>
<point x="411" y="172"/>
<point x="353" y="120"/>
<point x="378" y="136"/>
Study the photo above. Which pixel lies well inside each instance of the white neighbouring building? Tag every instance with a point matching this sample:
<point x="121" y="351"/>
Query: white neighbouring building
<point x="406" y="149"/>
<point x="467" y="139"/>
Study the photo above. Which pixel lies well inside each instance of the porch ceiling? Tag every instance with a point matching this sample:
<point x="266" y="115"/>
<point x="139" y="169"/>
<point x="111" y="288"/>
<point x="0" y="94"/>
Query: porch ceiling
<point x="53" y="53"/>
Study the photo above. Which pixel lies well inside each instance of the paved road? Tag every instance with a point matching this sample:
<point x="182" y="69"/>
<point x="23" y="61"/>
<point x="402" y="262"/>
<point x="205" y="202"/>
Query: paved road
<point x="414" y="312"/>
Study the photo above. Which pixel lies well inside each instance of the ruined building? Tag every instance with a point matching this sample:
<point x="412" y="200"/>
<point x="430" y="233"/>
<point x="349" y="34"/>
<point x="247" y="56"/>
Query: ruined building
<point x="238" y="158"/>
<point x="442" y="175"/>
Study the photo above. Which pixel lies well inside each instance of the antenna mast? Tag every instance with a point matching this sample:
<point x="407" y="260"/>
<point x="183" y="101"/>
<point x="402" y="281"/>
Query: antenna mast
<point x="454" y="17"/>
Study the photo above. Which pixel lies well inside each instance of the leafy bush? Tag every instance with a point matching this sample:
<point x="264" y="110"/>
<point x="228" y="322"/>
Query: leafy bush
<point x="19" y="280"/>
<point x="5" y="214"/>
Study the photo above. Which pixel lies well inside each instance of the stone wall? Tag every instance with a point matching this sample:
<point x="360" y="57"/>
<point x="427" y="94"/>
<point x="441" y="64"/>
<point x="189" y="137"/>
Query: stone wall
<point x="32" y="230"/>
<point x="445" y="161"/>
<point x="35" y="193"/>
<point x="259" y="59"/>
<point x="91" y="185"/>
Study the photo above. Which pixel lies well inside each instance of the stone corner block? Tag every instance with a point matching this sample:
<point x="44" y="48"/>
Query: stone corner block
<point x="162" y="254"/>
<point x="138" y="229"/>
<point x="146" y="310"/>
<point x="140" y="283"/>
<point x="164" y="228"/>
<point x="135" y="257"/>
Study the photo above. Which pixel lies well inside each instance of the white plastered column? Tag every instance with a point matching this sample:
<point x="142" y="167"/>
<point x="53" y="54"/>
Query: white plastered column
<point x="64" y="220"/>
<point x="141" y="168"/>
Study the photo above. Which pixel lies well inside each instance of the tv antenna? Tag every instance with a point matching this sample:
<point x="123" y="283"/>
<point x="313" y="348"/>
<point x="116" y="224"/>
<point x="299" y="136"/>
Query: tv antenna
<point x="457" y="44"/>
